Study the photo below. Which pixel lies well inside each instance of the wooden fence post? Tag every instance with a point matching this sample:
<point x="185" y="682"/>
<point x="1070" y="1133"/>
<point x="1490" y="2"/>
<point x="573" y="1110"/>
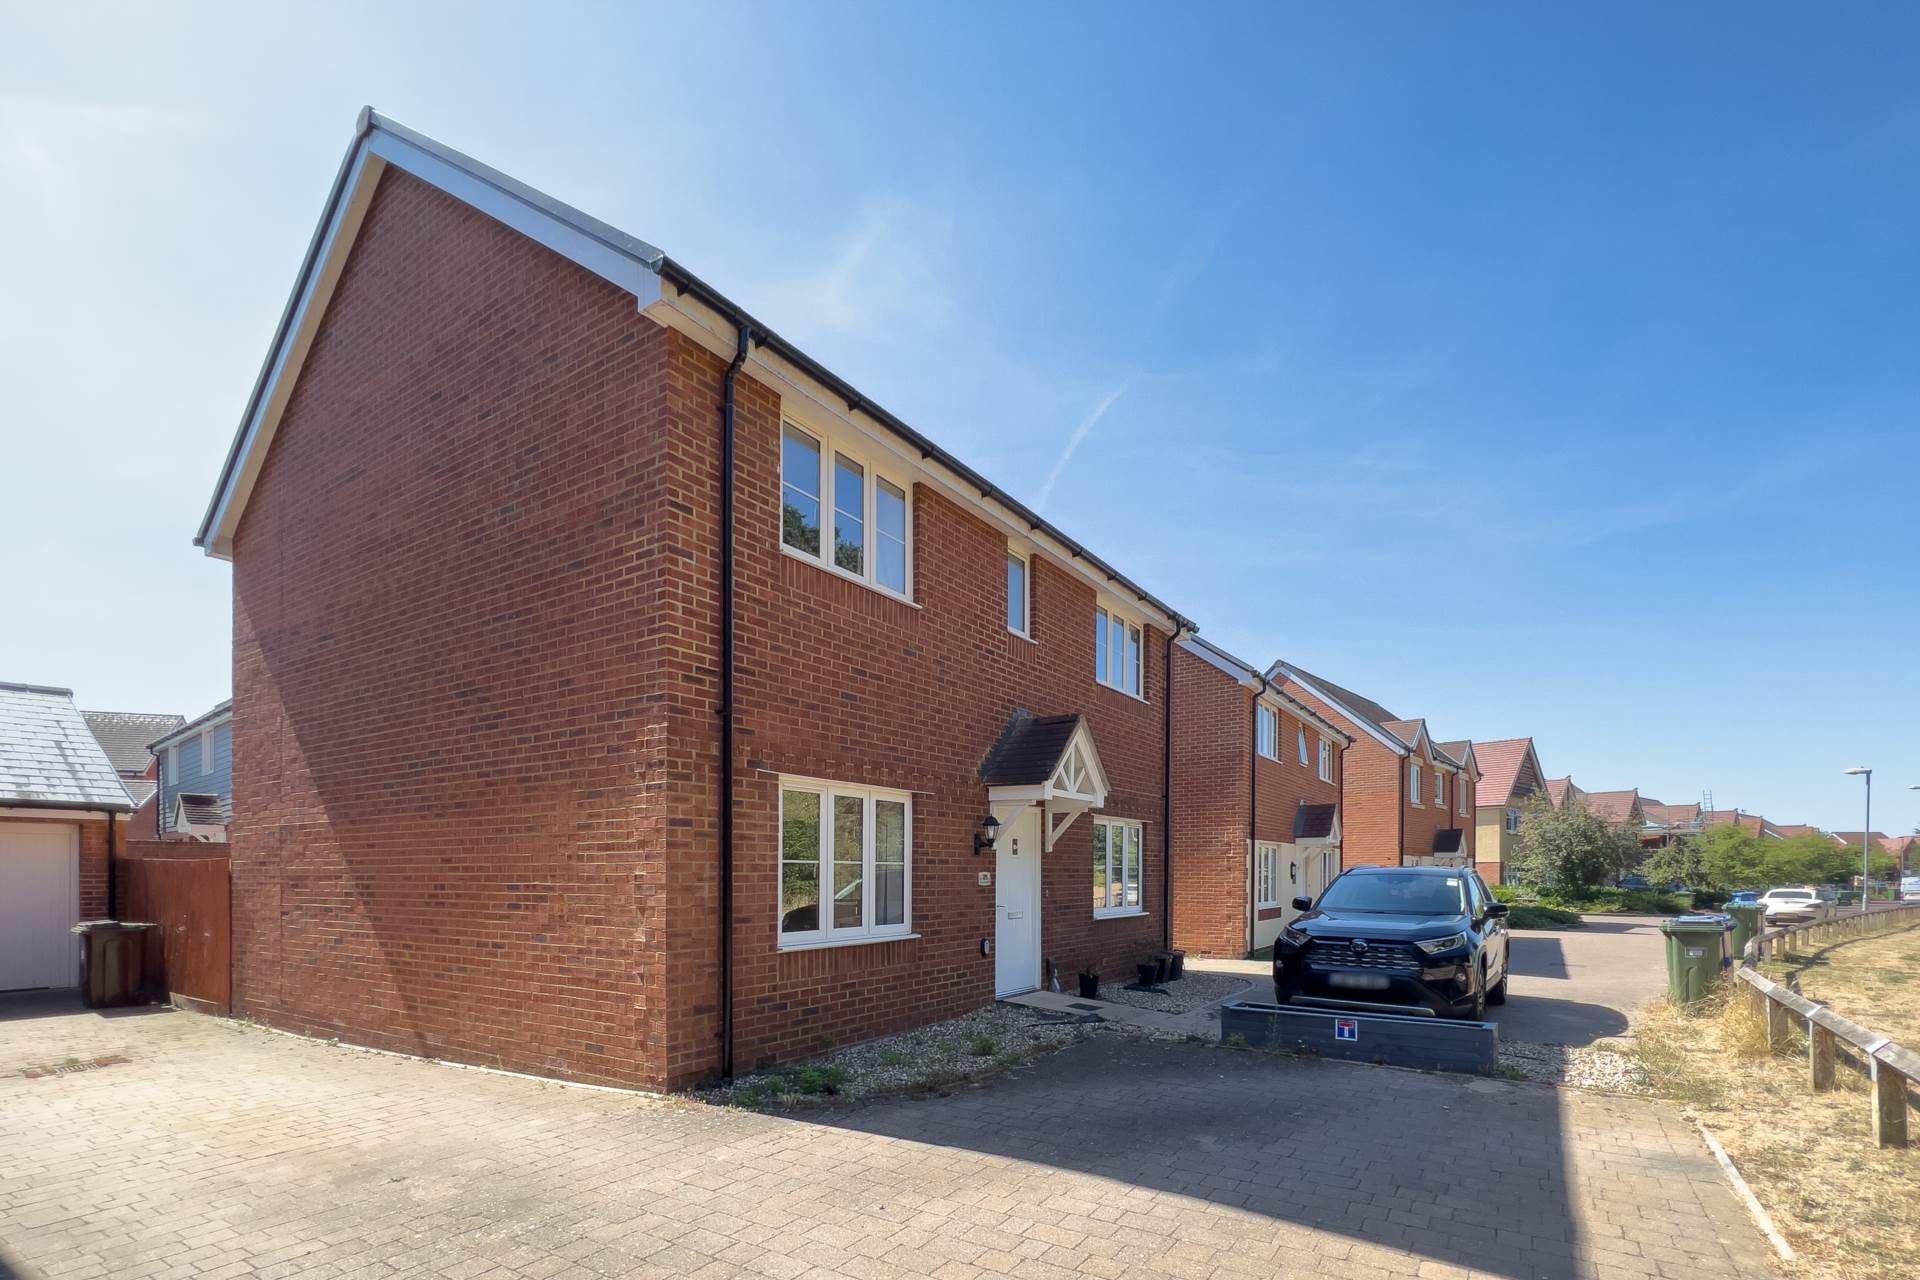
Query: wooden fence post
<point x="1819" y="1057"/>
<point x="1776" y="1024"/>
<point x="1889" y="1105"/>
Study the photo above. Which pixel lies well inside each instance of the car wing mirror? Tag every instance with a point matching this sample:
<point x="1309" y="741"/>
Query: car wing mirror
<point x="1496" y="908"/>
<point x="1303" y="904"/>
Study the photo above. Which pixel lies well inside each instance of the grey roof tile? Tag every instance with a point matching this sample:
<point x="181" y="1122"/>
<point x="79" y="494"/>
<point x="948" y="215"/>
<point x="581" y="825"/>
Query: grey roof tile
<point x="1028" y="751"/>
<point x="48" y="755"/>
<point x="124" y="735"/>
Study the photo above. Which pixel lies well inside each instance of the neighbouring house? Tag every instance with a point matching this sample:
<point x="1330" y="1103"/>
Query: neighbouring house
<point x="1616" y="806"/>
<point x="1905" y="851"/>
<point x="194" y="798"/>
<point x="63" y="813"/>
<point x="1666" y="823"/>
<point x="1256" y="802"/>
<point x="1789" y="830"/>
<point x="621" y="695"/>
<point x="1561" y="790"/>
<point x="1404" y="800"/>
<point x="1880" y="841"/>
<point x="1752" y="823"/>
<point x="126" y="737"/>
<point x="1510" y="775"/>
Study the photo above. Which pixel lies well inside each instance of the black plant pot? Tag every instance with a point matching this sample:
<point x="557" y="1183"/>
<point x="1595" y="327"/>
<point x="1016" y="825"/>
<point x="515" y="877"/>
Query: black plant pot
<point x="1177" y="965"/>
<point x="1089" y="986"/>
<point x="1149" y="973"/>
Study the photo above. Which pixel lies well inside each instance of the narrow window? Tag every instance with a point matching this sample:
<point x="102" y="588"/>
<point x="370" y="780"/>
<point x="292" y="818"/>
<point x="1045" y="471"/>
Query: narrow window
<point x="890" y="523"/>
<point x="1300" y="740"/>
<point x="1268" y="738"/>
<point x="206" y="752"/>
<point x="799" y="863"/>
<point x="1100" y="645"/>
<point x="800" y="491"/>
<point x="889" y="863"/>
<point x="1016" y="594"/>
<point x="1133" y="661"/>
<point x="1513" y="820"/>
<point x="1326" y="761"/>
<point x="849" y="514"/>
<point x="1267" y="876"/>
<point x="1460" y="792"/>
<point x="1439" y="789"/>
<point x="1413" y="782"/>
<point x="1116" y="867"/>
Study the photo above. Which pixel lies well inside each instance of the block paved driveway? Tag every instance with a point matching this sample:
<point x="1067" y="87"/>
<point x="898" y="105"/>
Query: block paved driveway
<point x="218" y="1150"/>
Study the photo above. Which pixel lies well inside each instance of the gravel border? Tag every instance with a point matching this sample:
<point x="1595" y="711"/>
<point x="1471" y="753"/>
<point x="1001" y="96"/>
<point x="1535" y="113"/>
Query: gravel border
<point x="958" y="1051"/>
<point x="1576" y="1066"/>
<point x="1181" y="995"/>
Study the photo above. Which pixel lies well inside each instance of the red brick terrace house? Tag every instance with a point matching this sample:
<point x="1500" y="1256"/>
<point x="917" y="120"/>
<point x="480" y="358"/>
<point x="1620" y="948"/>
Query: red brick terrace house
<point x="1256" y="802"/>
<point x="1405" y="800"/>
<point x="620" y="695"/>
<point x="1561" y="790"/>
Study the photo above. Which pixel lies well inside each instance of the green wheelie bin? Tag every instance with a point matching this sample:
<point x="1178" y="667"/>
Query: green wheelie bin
<point x="1746" y="925"/>
<point x="1696" y="947"/>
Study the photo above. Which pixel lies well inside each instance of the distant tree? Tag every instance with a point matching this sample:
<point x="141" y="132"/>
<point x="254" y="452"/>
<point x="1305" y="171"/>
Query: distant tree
<point x="1571" y="848"/>
<point x="1683" y="860"/>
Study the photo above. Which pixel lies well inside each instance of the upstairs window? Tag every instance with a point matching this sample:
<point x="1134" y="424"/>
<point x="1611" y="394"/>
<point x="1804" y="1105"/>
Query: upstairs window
<point x="1326" y="761"/>
<point x="1439" y="789"/>
<point x="1513" y="821"/>
<point x="1116" y="652"/>
<point x="1017" y="598"/>
<point x="1267" y="735"/>
<point x="1300" y="741"/>
<point x="1413" y="782"/>
<point x="1460" y="792"/>
<point x="868" y="512"/>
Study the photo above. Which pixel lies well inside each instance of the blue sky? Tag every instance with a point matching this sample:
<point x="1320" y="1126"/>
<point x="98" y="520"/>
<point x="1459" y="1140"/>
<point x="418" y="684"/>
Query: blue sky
<point x="1532" y="370"/>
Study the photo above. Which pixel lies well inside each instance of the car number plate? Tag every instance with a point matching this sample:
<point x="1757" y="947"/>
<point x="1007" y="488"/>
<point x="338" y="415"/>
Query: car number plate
<point x="1358" y="981"/>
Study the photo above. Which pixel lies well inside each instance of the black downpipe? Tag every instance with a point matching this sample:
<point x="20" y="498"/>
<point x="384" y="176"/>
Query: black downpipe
<point x="113" y="857"/>
<point x="1166" y="803"/>
<point x="726" y="706"/>
<point x="1253" y="811"/>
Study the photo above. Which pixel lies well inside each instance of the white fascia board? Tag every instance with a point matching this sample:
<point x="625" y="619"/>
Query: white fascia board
<point x="192" y="729"/>
<point x="687" y="315"/>
<point x="373" y="151"/>
<point x="1222" y="661"/>
<point x="1250" y="676"/>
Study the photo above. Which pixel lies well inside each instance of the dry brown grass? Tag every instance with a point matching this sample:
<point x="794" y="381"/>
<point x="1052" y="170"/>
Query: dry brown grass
<point x="1874" y="981"/>
<point x="1850" y="1210"/>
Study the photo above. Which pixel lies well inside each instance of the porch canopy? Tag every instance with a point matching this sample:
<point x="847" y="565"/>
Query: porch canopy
<point x="1044" y="760"/>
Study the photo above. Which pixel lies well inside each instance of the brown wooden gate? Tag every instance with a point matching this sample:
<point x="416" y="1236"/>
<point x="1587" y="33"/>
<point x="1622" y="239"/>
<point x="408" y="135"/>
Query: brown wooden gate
<point x="189" y="898"/>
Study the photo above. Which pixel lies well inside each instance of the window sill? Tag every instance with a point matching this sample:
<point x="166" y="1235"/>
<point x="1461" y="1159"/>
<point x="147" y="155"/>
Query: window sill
<point x="1114" y="688"/>
<point x="1021" y="635"/>
<point x="1264" y="756"/>
<point x="837" y="572"/>
<point x="847" y="942"/>
<point x="1119" y="913"/>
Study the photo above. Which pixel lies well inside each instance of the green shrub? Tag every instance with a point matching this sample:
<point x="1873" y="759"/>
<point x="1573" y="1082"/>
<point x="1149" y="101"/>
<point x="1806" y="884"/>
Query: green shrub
<point x="1632" y="902"/>
<point x="983" y="1046"/>
<point x="1530" y="916"/>
<point x="1511" y="893"/>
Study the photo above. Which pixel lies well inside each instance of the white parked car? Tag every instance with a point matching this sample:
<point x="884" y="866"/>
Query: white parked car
<point x="1794" y="906"/>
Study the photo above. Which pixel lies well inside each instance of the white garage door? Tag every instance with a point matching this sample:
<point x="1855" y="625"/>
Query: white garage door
<point x="39" y="905"/>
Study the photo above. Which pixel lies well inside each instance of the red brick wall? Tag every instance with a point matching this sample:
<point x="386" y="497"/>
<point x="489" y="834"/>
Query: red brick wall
<point x="1212" y="740"/>
<point x="914" y="702"/>
<point x="476" y="648"/>
<point x="448" y="611"/>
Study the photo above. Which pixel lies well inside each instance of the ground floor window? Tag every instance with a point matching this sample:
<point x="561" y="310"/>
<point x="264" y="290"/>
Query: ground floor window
<point x="1266" y="875"/>
<point x="845" y="862"/>
<point x="1116" y="867"/>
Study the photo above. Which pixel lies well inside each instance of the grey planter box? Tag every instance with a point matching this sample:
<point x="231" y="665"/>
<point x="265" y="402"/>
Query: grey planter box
<point x="1393" y="1039"/>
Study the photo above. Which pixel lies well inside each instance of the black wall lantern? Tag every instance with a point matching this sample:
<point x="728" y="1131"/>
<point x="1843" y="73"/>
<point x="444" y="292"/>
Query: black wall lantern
<point x="983" y="838"/>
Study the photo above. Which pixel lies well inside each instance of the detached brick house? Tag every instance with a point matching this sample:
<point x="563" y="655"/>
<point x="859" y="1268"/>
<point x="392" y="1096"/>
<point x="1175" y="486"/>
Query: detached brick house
<point x="1405" y="800"/>
<point x="620" y="695"/>
<point x="1256" y="808"/>
<point x="1510" y="775"/>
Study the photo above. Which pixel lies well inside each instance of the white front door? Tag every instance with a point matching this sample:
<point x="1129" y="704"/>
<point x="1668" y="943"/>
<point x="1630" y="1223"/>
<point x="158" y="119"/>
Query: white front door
<point x="1016" y="892"/>
<point x="39" y="905"/>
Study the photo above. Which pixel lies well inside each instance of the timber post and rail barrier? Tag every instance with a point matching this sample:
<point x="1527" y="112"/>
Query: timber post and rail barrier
<point x="1892" y="1070"/>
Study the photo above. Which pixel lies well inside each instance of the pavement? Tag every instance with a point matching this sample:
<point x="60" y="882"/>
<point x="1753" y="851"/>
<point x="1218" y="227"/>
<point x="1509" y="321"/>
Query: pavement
<point x="1576" y="986"/>
<point x="165" y="1144"/>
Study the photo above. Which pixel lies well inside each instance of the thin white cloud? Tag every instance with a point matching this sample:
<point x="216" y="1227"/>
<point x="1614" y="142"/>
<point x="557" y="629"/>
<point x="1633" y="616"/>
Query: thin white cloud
<point x="1074" y="441"/>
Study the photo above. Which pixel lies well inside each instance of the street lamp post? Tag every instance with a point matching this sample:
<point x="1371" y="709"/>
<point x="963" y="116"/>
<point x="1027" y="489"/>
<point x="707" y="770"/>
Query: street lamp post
<point x="1866" y="840"/>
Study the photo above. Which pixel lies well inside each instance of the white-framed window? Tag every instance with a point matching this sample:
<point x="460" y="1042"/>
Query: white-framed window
<point x="206" y="751"/>
<point x="1413" y="782"/>
<point x="1460" y="793"/>
<point x="1267" y="735"/>
<point x="1513" y="820"/>
<point x="1439" y="789"/>
<point x="846" y="862"/>
<point x="1116" y="867"/>
<point x="173" y="763"/>
<point x="1326" y="761"/>
<point x="867" y="534"/>
<point x="1116" y="652"/>
<point x="1019" y="595"/>
<point x="1300" y="740"/>
<point x="1266" y="875"/>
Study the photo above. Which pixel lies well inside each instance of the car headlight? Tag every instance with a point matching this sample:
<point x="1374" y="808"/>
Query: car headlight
<point x="1293" y="937"/>
<point x="1434" y="946"/>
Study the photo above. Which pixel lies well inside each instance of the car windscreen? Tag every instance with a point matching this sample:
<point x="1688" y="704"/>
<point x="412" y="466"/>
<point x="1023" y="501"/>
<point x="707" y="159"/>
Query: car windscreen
<point x="1791" y="893"/>
<point x="1398" y="893"/>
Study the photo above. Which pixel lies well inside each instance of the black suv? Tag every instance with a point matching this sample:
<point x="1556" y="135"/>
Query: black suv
<point x="1431" y="939"/>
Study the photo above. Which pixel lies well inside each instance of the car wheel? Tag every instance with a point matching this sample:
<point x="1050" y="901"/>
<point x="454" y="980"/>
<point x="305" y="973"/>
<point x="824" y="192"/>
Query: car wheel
<point x="1497" y="993"/>
<point x="1478" y="1009"/>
